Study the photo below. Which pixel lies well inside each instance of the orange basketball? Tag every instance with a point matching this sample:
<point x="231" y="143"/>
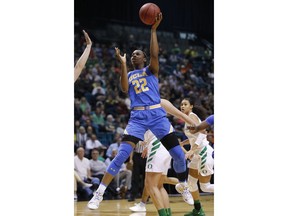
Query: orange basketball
<point x="148" y="13"/>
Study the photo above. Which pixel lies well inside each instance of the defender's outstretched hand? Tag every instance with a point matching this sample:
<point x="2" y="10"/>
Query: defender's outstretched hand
<point x="87" y="38"/>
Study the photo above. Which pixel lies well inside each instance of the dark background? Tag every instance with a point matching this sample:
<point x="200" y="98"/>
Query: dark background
<point x="195" y="16"/>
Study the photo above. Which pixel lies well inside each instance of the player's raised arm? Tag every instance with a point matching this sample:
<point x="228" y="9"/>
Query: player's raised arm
<point x="154" y="47"/>
<point x="124" y="76"/>
<point x="83" y="58"/>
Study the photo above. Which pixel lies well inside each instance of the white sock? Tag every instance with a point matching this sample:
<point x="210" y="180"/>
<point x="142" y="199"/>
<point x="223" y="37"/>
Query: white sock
<point x="142" y="204"/>
<point x="101" y="189"/>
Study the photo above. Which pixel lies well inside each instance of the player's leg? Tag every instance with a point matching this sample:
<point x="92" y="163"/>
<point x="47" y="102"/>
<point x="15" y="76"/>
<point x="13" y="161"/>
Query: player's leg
<point x="164" y="131"/>
<point x="124" y="151"/>
<point x="193" y="187"/>
<point x="171" y="143"/>
<point x="152" y="180"/>
<point x="206" y="169"/>
<point x="164" y="194"/>
<point x="205" y="184"/>
<point x="170" y="180"/>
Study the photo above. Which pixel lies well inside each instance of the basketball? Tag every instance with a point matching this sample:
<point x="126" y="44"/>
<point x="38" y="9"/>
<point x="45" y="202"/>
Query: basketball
<point x="148" y="12"/>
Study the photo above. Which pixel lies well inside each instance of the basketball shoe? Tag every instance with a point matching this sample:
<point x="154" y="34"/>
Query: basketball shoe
<point x="183" y="189"/>
<point x="95" y="201"/>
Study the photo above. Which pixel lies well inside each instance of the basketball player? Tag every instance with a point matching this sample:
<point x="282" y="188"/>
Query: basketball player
<point x="202" y="162"/>
<point x="157" y="165"/>
<point x="83" y="58"/>
<point x="146" y="113"/>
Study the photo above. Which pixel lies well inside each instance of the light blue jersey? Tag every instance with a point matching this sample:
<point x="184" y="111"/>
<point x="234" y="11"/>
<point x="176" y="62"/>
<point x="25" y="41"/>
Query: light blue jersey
<point x="144" y="91"/>
<point x="143" y="88"/>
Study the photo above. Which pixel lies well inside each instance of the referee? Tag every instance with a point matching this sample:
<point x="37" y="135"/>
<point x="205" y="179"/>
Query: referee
<point x="138" y="171"/>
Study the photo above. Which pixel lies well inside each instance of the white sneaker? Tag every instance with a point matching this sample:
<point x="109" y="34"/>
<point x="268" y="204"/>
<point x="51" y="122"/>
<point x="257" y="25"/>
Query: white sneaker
<point x="138" y="207"/>
<point x="95" y="201"/>
<point x="183" y="189"/>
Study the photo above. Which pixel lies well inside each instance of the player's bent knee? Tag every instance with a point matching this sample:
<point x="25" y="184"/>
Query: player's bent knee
<point x="170" y="141"/>
<point x="122" y="155"/>
<point x="179" y="162"/>
<point x="192" y="183"/>
<point x="207" y="187"/>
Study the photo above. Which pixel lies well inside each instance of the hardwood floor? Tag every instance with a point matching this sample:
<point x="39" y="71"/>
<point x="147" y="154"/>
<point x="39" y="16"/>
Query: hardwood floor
<point x="121" y="207"/>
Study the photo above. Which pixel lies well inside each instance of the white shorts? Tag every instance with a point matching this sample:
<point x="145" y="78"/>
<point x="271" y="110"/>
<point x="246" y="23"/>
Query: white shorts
<point x="158" y="159"/>
<point x="203" y="162"/>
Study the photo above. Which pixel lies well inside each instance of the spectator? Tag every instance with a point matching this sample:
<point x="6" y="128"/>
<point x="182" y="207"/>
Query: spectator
<point x="109" y="125"/>
<point x="120" y="128"/>
<point x="98" y="120"/>
<point x="77" y="110"/>
<point x="81" y="137"/>
<point x="78" y="180"/>
<point x="101" y="154"/>
<point x="90" y="131"/>
<point x="92" y="144"/>
<point x="98" y="92"/>
<point x="97" y="167"/>
<point x="84" y="105"/>
<point x="82" y="168"/>
<point x="76" y="127"/>
<point x="114" y="145"/>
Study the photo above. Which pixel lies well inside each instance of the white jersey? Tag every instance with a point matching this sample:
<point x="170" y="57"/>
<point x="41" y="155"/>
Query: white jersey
<point x="198" y="139"/>
<point x="202" y="160"/>
<point x="158" y="158"/>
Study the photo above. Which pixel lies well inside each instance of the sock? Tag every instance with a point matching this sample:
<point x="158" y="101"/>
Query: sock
<point x="162" y="212"/>
<point x="197" y="205"/>
<point x="142" y="204"/>
<point x="101" y="189"/>
<point x="168" y="211"/>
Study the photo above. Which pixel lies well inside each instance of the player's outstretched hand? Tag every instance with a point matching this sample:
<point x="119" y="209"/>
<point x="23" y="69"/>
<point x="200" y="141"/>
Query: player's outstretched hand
<point x="158" y="19"/>
<point x="87" y="38"/>
<point x="122" y="58"/>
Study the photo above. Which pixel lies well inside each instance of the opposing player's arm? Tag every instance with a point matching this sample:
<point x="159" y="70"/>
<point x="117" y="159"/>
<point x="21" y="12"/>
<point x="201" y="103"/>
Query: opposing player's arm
<point x="154" y="47"/>
<point x="124" y="75"/>
<point x="83" y="58"/>
<point x="169" y="107"/>
<point x="209" y="121"/>
<point x="184" y="142"/>
<point x="197" y="128"/>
